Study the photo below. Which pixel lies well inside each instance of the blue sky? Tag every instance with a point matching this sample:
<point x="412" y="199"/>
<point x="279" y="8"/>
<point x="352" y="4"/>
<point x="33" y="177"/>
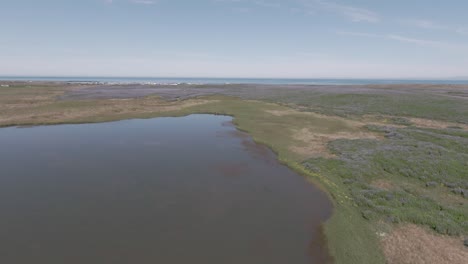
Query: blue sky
<point x="235" y="38"/>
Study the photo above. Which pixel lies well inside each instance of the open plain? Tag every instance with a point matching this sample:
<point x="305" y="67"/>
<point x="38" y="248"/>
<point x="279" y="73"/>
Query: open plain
<point x="393" y="158"/>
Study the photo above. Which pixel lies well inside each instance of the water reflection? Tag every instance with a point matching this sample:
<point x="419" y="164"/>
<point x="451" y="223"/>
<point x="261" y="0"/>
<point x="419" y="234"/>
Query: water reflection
<point x="166" y="190"/>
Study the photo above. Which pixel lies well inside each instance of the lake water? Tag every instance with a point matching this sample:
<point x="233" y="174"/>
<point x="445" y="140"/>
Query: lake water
<point x="167" y="190"/>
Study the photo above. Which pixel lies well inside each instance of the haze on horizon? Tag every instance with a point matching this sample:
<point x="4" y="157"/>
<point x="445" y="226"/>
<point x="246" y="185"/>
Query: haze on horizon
<point x="235" y="38"/>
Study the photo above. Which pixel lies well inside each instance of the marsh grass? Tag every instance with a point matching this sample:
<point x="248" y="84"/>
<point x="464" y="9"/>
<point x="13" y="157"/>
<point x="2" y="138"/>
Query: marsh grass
<point x="426" y="168"/>
<point x="400" y="105"/>
<point x="271" y="130"/>
<point x="429" y="169"/>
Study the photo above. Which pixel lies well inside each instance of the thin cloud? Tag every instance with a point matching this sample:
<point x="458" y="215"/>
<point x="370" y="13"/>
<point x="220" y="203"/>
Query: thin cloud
<point x="462" y="31"/>
<point x="433" y="25"/>
<point x="358" y="34"/>
<point x="144" y="2"/>
<point x="355" y="14"/>
<point x="421" y="42"/>
<point x="261" y="3"/>
<point x="227" y="1"/>
<point x="422" y="23"/>
<point x="405" y="39"/>
<point x="267" y="4"/>
<point x="241" y="9"/>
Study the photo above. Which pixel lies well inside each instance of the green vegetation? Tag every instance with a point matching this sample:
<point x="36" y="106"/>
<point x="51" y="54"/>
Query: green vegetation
<point x="347" y="232"/>
<point x="425" y="173"/>
<point x="408" y="175"/>
<point x="385" y="103"/>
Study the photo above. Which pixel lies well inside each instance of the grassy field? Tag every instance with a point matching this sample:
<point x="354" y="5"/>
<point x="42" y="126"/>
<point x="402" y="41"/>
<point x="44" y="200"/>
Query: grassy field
<point x="385" y="163"/>
<point x="431" y="103"/>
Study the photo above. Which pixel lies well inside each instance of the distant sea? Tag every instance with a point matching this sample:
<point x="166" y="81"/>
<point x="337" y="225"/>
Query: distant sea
<point x="143" y="80"/>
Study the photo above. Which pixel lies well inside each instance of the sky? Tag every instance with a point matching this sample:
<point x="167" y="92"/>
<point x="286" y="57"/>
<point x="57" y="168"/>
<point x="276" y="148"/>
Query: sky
<point x="235" y="38"/>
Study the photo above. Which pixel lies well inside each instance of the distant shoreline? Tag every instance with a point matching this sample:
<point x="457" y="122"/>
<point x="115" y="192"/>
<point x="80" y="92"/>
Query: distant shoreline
<point x="201" y="81"/>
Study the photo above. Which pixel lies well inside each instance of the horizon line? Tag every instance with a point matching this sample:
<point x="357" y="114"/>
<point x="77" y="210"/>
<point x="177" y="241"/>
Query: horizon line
<point x="461" y="78"/>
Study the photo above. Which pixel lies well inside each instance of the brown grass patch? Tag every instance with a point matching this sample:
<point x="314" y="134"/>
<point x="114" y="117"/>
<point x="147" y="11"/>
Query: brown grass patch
<point x="419" y="122"/>
<point x="318" y="130"/>
<point x="290" y="111"/>
<point x="317" y="150"/>
<point x="428" y="123"/>
<point x="411" y="244"/>
<point x="315" y="144"/>
<point x="383" y="184"/>
<point x="282" y="112"/>
<point x="55" y="112"/>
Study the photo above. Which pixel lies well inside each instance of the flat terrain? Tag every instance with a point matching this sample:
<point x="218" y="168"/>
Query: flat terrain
<point x="393" y="158"/>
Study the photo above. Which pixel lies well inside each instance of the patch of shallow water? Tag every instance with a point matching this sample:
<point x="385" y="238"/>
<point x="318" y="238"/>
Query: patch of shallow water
<point x="166" y="190"/>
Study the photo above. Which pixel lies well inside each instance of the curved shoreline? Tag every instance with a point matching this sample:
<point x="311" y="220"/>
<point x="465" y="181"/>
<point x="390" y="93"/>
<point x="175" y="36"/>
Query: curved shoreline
<point x="270" y="121"/>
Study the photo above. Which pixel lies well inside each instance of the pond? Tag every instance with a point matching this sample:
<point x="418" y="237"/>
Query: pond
<point x="168" y="190"/>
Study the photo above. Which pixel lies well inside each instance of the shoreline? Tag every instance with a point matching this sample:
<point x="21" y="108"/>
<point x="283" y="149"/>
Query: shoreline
<point x="312" y="121"/>
<point x="229" y="81"/>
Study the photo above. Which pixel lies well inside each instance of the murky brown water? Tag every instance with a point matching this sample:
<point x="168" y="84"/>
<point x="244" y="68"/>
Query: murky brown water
<point x="167" y="190"/>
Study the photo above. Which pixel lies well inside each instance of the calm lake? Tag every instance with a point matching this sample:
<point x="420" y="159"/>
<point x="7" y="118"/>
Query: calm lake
<point x="167" y="190"/>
